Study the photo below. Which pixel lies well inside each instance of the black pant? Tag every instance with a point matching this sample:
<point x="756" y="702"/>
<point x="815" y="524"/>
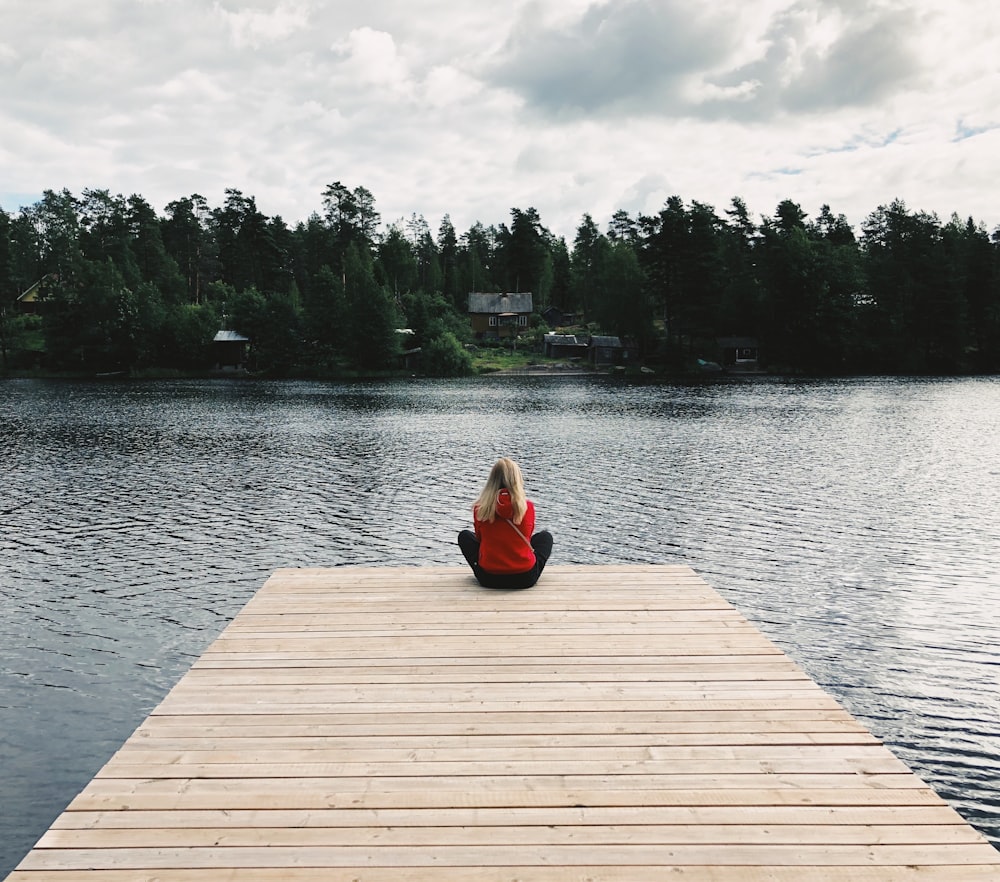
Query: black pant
<point x="541" y="542"/>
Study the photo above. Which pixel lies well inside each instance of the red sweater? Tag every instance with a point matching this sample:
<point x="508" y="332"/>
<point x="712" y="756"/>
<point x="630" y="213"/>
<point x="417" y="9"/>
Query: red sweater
<point x="501" y="550"/>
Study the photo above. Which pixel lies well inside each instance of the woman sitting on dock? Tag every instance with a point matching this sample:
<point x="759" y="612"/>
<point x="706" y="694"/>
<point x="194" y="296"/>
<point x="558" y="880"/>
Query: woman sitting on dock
<point x="504" y="551"/>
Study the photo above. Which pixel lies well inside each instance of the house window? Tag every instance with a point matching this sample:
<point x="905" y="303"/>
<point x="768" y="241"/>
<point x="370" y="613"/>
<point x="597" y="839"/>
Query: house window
<point x="522" y="321"/>
<point x="494" y="321"/>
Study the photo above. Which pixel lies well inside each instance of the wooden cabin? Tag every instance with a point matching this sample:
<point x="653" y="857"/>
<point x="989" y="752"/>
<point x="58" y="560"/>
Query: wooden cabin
<point x="499" y="315"/>
<point x="230" y="350"/>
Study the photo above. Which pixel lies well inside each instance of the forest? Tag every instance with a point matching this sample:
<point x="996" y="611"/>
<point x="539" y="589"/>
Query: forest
<point x="122" y="287"/>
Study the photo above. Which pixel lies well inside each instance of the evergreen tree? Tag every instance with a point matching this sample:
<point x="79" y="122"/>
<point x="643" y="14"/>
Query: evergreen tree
<point x="476" y="260"/>
<point x="188" y="239"/>
<point x="740" y="307"/>
<point x="105" y="234"/>
<point x="372" y="320"/>
<point x="279" y="341"/>
<point x="561" y="292"/>
<point x="625" y="285"/>
<point x="314" y="248"/>
<point x="525" y="255"/>
<point x="664" y="238"/>
<point x="704" y="283"/>
<point x="248" y="254"/>
<point x="56" y="235"/>
<point x="788" y="270"/>
<point x="397" y="264"/>
<point x="623" y="228"/>
<point x="449" y="255"/>
<point x="839" y="289"/>
<point x="325" y="318"/>
<point x="428" y="263"/>
<point x="919" y="317"/>
<point x="93" y="324"/>
<point x="277" y="271"/>
<point x="7" y="290"/>
<point x="979" y="281"/>
<point x="351" y="216"/>
<point x="587" y="263"/>
<point x="155" y="266"/>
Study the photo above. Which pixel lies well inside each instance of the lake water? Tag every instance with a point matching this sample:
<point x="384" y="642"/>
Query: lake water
<point x="857" y="523"/>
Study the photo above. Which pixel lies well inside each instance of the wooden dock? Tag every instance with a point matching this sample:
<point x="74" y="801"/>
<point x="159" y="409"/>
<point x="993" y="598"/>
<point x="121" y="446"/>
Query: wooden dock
<point x="392" y="725"/>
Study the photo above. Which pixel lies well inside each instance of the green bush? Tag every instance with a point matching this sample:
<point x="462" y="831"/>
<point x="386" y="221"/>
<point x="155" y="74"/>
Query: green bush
<point x="444" y="356"/>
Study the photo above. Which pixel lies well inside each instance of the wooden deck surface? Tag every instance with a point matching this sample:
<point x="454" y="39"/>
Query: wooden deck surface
<point x="392" y="725"/>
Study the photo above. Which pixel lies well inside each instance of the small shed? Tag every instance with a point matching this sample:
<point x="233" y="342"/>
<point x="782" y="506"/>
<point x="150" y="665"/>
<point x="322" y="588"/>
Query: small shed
<point x="605" y="351"/>
<point x="409" y="359"/>
<point x="564" y="346"/>
<point x="555" y="317"/>
<point x="739" y="354"/>
<point x="230" y="349"/>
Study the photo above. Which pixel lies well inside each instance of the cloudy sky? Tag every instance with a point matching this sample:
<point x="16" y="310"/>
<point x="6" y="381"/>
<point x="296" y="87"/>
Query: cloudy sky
<point x="473" y="108"/>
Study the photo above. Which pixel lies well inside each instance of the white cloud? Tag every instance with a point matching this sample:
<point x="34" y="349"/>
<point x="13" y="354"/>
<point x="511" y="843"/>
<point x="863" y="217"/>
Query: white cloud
<point x="253" y="28"/>
<point x="370" y="58"/>
<point x="699" y="92"/>
<point x="446" y="85"/>
<point x="190" y="87"/>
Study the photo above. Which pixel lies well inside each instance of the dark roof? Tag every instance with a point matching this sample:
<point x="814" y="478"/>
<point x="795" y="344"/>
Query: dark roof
<point x="230" y="337"/>
<point x="607" y="342"/>
<point x="497" y="304"/>
<point x="562" y="339"/>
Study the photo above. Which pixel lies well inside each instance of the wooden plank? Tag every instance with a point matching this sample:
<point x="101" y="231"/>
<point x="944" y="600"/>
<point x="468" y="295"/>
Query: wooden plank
<point x="824" y="816"/>
<point x="567" y="663"/>
<point x="199" y="796"/>
<point x="472" y="857"/>
<point x="583" y="728"/>
<point x="280" y="736"/>
<point x="536" y="781"/>
<point x="253" y="617"/>
<point x="479" y="674"/>
<point x="378" y="836"/>
<point x="344" y="762"/>
<point x="450" y="693"/>
<point x="449" y="645"/>
<point x="470" y="722"/>
<point x="411" y="755"/>
<point x="394" y="724"/>
<point x="522" y="873"/>
<point x="491" y="631"/>
<point x="691" y="705"/>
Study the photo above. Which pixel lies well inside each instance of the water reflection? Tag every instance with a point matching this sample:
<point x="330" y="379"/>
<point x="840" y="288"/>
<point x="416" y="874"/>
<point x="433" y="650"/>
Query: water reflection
<point x="857" y="522"/>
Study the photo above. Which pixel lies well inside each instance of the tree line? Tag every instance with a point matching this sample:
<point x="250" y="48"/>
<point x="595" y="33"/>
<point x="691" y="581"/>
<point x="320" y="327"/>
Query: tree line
<point x="124" y="287"/>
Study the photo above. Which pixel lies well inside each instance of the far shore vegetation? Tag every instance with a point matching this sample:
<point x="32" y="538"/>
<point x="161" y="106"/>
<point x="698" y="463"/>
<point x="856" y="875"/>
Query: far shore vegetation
<point x="99" y="284"/>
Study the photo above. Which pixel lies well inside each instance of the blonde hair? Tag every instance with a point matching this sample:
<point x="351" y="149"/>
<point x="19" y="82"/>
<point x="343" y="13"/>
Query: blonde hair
<point x="505" y="474"/>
